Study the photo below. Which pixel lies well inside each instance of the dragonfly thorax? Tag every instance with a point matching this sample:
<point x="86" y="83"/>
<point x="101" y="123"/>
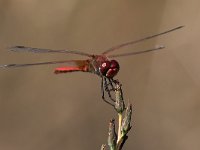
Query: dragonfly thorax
<point x="109" y="69"/>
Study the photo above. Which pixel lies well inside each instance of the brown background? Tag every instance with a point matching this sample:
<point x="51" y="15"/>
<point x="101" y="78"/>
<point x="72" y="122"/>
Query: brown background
<point x="43" y="111"/>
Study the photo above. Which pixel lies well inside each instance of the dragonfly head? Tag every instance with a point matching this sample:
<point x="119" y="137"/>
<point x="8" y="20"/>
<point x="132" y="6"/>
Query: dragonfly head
<point x="110" y="68"/>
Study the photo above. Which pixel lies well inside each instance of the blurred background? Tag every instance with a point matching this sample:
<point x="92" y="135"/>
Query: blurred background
<point x="43" y="111"/>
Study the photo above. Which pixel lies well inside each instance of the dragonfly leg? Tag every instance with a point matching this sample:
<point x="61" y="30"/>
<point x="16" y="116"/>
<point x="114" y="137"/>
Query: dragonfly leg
<point x="116" y="82"/>
<point x="111" y="81"/>
<point x="102" y="88"/>
<point x="103" y="92"/>
<point x="107" y="89"/>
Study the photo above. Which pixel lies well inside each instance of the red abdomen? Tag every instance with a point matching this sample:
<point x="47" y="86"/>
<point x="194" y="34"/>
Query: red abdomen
<point x="78" y="65"/>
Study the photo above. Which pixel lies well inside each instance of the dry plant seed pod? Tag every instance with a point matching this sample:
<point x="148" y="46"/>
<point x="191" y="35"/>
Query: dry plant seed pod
<point x="112" y="137"/>
<point x="127" y="120"/>
<point x="119" y="102"/>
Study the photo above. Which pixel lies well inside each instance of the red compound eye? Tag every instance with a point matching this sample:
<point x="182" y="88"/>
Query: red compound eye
<point x="109" y="68"/>
<point x="114" y="68"/>
<point x="104" y="67"/>
<point x="112" y="72"/>
<point x="114" y="64"/>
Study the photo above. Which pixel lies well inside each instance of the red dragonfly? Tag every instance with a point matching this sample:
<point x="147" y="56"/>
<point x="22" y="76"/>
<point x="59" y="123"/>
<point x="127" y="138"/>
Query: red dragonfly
<point x="100" y="65"/>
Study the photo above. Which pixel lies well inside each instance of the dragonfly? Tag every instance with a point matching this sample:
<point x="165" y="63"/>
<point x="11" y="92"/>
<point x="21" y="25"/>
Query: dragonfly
<point x="102" y="65"/>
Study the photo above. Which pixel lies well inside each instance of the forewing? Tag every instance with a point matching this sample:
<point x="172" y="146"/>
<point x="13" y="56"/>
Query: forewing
<point x="67" y="62"/>
<point x="139" y="40"/>
<point x="137" y="52"/>
<point x="40" y="50"/>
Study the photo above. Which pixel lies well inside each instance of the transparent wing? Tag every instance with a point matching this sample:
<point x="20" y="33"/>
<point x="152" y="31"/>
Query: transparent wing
<point x="39" y="50"/>
<point x="138" y="52"/>
<point x="139" y="40"/>
<point x="42" y="63"/>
